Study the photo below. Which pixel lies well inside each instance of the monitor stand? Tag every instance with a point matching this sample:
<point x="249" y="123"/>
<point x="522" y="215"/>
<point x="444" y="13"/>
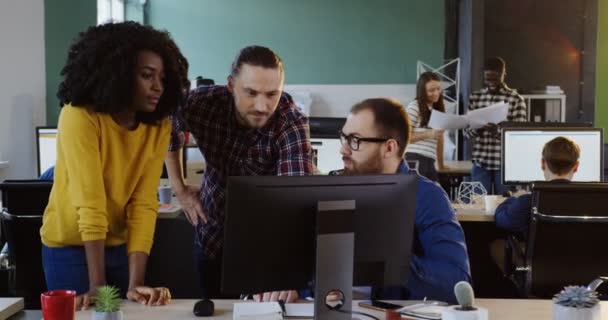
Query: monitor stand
<point x="335" y="230"/>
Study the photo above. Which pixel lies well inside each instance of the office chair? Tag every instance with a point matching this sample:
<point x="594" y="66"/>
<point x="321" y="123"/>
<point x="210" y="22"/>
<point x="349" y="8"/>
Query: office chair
<point x="413" y="165"/>
<point x="568" y="226"/>
<point x="24" y="202"/>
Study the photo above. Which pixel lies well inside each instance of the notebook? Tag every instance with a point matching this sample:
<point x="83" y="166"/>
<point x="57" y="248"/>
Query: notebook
<point x="10" y="307"/>
<point x="272" y="311"/>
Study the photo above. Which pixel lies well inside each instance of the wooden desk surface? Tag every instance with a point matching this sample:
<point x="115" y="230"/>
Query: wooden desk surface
<point x="499" y="309"/>
<point x="473" y="213"/>
<point x="457" y="168"/>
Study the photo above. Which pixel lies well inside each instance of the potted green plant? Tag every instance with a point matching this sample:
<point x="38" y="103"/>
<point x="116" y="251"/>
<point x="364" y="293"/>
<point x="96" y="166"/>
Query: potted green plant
<point x="107" y="304"/>
<point x="576" y="303"/>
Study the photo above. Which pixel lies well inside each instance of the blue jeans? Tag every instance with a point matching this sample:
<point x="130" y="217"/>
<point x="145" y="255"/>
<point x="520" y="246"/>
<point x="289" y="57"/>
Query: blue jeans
<point x="66" y="268"/>
<point x="489" y="178"/>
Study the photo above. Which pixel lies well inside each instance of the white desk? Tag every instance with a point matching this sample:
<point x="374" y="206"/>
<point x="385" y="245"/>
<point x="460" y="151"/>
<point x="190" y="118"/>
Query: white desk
<point x="499" y="309"/>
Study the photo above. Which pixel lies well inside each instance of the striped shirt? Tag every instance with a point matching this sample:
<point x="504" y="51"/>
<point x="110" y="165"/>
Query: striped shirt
<point x="426" y="147"/>
<point x="486" y="147"/>
<point x="282" y="147"/>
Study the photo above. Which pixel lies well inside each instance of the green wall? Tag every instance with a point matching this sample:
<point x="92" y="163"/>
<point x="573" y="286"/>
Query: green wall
<point x="320" y="41"/>
<point x="63" y="20"/>
<point x="601" y="88"/>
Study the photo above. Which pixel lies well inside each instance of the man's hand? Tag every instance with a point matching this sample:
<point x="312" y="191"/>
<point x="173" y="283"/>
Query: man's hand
<point x="150" y="296"/>
<point x="287" y="296"/>
<point x="189" y="199"/>
<point x="83" y="301"/>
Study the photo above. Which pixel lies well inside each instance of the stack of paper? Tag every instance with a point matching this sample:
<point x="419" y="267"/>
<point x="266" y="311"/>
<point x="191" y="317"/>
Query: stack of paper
<point x="475" y="119"/>
<point x="272" y="310"/>
<point x="10" y="306"/>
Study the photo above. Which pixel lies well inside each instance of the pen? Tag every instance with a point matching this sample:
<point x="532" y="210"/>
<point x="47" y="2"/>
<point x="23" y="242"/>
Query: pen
<point x="282" y="305"/>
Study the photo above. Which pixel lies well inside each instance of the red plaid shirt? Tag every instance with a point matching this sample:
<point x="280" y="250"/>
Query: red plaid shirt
<point x="282" y="147"/>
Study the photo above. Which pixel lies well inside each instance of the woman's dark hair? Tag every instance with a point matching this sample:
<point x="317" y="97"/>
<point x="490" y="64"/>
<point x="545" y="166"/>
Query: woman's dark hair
<point x="101" y="63"/>
<point x="423" y="100"/>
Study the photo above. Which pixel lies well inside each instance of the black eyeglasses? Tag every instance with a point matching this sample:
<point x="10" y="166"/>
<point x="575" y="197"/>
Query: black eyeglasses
<point x="354" y="142"/>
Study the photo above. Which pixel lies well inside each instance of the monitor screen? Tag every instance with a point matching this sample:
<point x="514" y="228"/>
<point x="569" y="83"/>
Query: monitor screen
<point x="325" y="141"/>
<point x="522" y="148"/>
<point x="327" y="154"/>
<point x="269" y="233"/>
<point x="46" y="145"/>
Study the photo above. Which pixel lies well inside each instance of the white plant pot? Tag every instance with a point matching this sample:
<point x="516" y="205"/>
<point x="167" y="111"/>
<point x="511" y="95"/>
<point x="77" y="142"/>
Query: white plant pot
<point x="568" y="313"/>
<point x="106" y="315"/>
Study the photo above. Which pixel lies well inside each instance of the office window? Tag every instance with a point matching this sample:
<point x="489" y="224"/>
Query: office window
<point x="110" y="10"/>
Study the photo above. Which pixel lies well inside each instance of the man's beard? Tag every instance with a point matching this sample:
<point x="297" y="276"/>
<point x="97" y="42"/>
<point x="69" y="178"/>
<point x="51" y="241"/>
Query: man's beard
<point x="372" y="165"/>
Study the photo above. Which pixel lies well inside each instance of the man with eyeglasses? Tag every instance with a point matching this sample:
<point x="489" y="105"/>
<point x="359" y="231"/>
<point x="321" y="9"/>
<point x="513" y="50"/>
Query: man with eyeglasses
<point x="374" y="139"/>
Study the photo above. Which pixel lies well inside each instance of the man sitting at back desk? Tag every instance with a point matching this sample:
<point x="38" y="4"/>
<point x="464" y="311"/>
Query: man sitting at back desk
<point x="374" y="139"/>
<point x="559" y="164"/>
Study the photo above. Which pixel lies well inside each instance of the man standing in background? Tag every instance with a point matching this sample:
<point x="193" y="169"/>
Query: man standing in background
<point x="486" y="140"/>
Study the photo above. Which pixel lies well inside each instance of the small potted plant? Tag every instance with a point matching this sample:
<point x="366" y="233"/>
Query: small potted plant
<point x="107" y="304"/>
<point x="576" y="303"/>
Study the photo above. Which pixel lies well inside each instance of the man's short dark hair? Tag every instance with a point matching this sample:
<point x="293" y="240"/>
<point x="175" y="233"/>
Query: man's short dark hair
<point x="561" y="154"/>
<point x="256" y="56"/>
<point x="495" y="64"/>
<point x="390" y="118"/>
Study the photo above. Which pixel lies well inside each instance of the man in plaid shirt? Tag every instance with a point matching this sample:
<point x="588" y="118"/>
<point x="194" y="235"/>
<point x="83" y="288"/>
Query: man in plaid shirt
<point x="486" y="147"/>
<point x="249" y="127"/>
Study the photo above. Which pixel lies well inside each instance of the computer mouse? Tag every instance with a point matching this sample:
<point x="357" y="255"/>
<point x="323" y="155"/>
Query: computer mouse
<point x="203" y="308"/>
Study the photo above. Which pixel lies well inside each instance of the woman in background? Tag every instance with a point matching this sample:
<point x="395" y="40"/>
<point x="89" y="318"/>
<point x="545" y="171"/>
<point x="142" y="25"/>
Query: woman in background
<point x="121" y="82"/>
<point x="426" y="144"/>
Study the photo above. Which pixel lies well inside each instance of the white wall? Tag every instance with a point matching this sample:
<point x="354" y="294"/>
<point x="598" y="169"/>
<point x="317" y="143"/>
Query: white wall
<point x="336" y="100"/>
<point x="22" y="84"/>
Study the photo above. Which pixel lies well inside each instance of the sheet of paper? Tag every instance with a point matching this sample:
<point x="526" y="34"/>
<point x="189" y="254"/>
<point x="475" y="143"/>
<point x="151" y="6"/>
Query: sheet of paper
<point x="495" y="113"/>
<point x="256" y="310"/>
<point x="441" y="120"/>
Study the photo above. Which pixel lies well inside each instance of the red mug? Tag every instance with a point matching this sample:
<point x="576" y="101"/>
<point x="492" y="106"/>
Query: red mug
<point x="58" y="305"/>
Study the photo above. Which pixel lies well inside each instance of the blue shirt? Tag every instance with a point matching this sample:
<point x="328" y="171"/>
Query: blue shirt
<point x="49" y="174"/>
<point x="439" y="253"/>
<point x="514" y="214"/>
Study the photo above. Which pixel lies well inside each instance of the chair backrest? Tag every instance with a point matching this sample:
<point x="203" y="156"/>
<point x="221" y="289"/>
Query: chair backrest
<point x="413" y="165"/>
<point x="25" y="197"/>
<point x="568" y="227"/>
<point x="24" y="202"/>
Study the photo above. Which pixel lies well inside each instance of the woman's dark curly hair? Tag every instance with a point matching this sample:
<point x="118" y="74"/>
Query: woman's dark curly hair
<point x="100" y="69"/>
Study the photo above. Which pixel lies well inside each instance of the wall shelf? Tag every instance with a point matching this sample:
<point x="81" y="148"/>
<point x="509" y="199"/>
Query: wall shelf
<point x="3" y="164"/>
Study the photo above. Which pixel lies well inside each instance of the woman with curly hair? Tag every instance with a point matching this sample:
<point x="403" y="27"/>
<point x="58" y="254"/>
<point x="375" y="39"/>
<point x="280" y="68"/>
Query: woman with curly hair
<point x="121" y="82"/>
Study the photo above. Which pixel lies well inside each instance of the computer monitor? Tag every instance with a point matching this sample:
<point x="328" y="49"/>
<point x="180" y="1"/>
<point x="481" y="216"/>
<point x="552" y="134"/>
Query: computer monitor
<point x="522" y="148"/>
<point x="271" y="229"/>
<point x="325" y="141"/>
<point x="46" y="148"/>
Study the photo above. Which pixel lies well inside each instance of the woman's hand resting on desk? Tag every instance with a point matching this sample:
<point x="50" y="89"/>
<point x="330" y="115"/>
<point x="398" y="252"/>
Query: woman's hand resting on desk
<point x="287" y="296"/>
<point x="159" y="296"/>
<point x="189" y="199"/>
<point x="83" y="301"/>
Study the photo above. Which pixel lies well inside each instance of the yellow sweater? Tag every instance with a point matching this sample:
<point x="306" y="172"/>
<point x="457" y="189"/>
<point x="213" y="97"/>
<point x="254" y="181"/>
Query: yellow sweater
<point x="106" y="179"/>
